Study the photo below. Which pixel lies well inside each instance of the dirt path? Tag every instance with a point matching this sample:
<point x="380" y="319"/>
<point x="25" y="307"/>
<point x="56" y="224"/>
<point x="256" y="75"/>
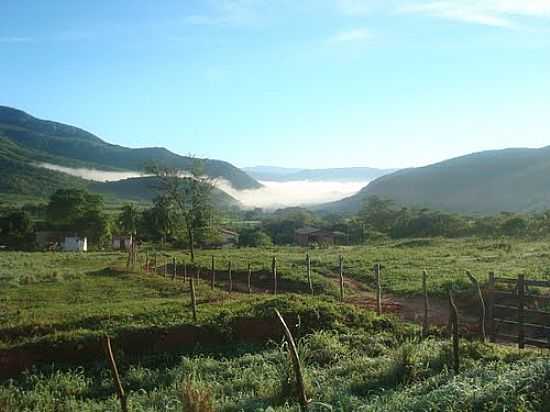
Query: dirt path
<point x="409" y="308"/>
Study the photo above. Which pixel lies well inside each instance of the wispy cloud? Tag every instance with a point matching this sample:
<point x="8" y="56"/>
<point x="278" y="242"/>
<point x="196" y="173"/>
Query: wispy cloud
<point x="15" y="39"/>
<point x="230" y="13"/>
<point x="354" y="35"/>
<point x="507" y="14"/>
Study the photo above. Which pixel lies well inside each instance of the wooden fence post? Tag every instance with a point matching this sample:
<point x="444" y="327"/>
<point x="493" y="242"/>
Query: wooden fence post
<point x="482" y="305"/>
<point x="155" y="264"/>
<point x="116" y="376"/>
<point x="491" y="306"/>
<point x="274" y="272"/>
<point x="308" y="267"/>
<point x="521" y="308"/>
<point x="193" y="298"/>
<point x="341" y="278"/>
<point x="213" y="274"/>
<point x="249" y="278"/>
<point x="426" y="322"/>
<point x="175" y="268"/>
<point x="165" y="268"/>
<point x="198" y="274"/>
<point x="146" y="261"/>
<point x="378" y="276"/>
<point x="453" y="315"/>
<point x="230" y="275"/>
<point x="296" y="363"/>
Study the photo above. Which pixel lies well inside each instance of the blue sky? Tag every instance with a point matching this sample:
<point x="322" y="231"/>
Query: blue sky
<point x="312" y="83"/>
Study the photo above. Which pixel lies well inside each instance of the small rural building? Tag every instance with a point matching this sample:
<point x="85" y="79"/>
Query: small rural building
<point x="122" y="242"/>
<point x="61" y="241"/>
<point x="309" y="235"/>
<point x="75" y="244"/>
<point x="229" y="238"/>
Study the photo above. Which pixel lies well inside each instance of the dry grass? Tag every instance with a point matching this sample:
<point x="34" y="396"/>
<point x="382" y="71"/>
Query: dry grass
<point x="196" y="398"/>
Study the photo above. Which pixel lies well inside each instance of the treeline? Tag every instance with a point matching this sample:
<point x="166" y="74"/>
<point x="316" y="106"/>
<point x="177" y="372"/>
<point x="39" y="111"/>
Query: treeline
<point x="381" y="219"/>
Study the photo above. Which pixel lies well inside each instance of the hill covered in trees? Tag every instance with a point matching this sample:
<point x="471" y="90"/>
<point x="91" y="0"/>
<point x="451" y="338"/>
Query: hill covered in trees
<point x="28" y="140"/>
<point x="513" y="180"/>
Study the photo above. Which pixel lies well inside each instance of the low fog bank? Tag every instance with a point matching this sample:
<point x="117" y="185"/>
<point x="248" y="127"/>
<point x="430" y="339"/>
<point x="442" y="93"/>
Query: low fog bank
<point x="272" y="195"/>
<point x="92" y="174"/>
<point x="294" y="193"/>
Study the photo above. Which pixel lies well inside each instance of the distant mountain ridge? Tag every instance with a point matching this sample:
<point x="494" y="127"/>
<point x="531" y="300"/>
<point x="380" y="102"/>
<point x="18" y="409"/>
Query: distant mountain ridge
<point x="57" y="143"/>
<point x="344" y="174"/>
<point x="513" y="180"/>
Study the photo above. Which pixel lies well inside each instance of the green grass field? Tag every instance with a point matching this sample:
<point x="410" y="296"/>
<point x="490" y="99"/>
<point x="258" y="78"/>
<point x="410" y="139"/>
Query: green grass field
<point x="353" y="359"/>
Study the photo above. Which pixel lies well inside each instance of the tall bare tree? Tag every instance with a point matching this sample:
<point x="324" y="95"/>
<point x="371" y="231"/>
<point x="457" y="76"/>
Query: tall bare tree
<point x="189" y="192"/>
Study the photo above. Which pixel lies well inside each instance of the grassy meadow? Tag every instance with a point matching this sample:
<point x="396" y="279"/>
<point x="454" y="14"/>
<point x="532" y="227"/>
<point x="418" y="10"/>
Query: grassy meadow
<point x="353" y="359"/>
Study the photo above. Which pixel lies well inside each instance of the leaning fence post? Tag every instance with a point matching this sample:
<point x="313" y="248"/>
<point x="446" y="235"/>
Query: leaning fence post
<point x="491" y="306"/>
<point x="482" y="307"/>
<point x="274" y="272"/>
<point x="425" y="323"/>
<point x="185" y="271"/>
<point x="308" y="266"/>
<point x="213" y="274"/>
<point x="341" y="278"/>
<point x="249" y="278"/>
<point x="230" y="275"/>
<point x="116" y="376"/>
<point x="453" y="315"/>
<point x="296" y="363"/>
<point x="378" y="289"/>
<point x="193" y="298"/>
<point x="175" y="264"/>
<point x="521" y="307"/>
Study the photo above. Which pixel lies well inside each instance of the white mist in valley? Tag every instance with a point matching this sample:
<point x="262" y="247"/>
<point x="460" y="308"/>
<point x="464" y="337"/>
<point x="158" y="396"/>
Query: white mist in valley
<point x="272" y="195"/>
<point x="294" y="193"/>
<point x="92" y="174"/>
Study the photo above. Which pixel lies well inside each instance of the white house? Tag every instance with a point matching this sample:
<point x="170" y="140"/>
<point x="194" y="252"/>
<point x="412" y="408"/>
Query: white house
<point x="75" y="244"/>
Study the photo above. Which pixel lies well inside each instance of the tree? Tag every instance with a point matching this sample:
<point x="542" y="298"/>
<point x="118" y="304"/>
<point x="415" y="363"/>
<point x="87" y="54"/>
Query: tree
<point x="17" y="230"/>
<point x="128" y="219"/>
<point x="68" y="205"/>
<point x="378" y="214"/>
<point x="95" y="225"/>
<point x="188" y="193"/>
<point x="254" y="237"/>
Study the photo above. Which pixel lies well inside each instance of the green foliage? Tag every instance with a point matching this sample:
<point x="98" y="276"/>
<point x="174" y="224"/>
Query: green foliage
<point x="128" y="219"/>
<point x="478" y="183"/>
<point x="17" y="230"/>
<point x="254" y="237"/>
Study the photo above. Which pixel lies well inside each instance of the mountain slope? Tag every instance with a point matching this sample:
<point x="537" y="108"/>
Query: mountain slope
<point x="41" y="140"/>
<point x="515" y="180"/>
<point x="346" y="174"/>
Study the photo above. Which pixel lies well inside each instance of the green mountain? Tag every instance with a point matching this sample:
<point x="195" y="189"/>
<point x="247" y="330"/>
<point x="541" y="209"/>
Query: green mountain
<point x="513" y="180"/>
<point x="37" y="140"/>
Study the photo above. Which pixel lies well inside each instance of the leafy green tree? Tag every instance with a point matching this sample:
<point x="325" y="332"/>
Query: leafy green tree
<point x="254" y="237"/>
<point x="95" y="225"/>
<point x="378" y="214"/>
<point x="189" y="196"/>
<point x="68" y="205"/>
<point x="128" y="219"/>
<point x="17" y="230"/>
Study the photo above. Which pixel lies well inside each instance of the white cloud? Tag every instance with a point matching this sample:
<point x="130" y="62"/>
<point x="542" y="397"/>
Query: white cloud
<point x="508" y="14"/>
<point x="359" y="34"/>
<point x="15" y="39"/>
<point x="298" y="193"/>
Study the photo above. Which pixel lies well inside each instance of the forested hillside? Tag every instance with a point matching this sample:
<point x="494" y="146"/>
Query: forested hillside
<point x="513" y="180"/>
